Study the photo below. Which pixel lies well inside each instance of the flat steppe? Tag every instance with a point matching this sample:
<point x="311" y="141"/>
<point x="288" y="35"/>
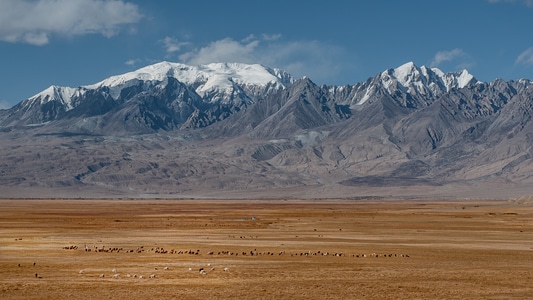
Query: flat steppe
<point x="251" y="249"/>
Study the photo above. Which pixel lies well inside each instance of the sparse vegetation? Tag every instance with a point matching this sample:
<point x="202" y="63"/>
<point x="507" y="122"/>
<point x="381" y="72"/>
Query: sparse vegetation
<point x="212" y="249"/>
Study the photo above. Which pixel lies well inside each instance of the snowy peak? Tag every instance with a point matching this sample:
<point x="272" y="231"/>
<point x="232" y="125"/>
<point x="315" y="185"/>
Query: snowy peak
<point x="220" y="89"/>
<point x="220" y="77"/>
<point x="62" y="94"/>
<point x="408" y="73"/>
<point x="460" y="79"/>
<point x="422" y="80"/>
<point x="216" y="81"/>
<point x="242" y="73"/>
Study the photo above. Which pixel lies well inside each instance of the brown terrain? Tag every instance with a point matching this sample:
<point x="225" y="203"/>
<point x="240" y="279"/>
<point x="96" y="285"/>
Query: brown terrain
<point x="251" y="249"/>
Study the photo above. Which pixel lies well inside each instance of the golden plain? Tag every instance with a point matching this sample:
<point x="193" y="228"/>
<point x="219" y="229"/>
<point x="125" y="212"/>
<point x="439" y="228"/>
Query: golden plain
<point x="259" y="249"/>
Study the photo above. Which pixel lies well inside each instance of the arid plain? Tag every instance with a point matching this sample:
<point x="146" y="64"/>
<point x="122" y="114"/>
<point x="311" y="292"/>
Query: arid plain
<point x="252" y="249"/>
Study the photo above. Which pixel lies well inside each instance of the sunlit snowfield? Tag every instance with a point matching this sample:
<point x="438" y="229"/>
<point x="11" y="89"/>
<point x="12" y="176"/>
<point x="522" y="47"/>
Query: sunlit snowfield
<point x="177" y="249"/>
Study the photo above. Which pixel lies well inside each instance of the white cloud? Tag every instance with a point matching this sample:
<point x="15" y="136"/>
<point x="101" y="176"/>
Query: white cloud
<point x="172" y="44"/>
<point x="526" y="2"/>
<point x="34" y="22"/>
<point x="314" y="59"/>
<point x="4" y="104"/>
<point x="443" y="56"/>
<point x="249" y="38"/>
<point x="526" y="57"/>
<point x="319" y="61"/>
<point x="225" y="50"/>
<point x="271" y="37"/>
<point x="132" y="62"/>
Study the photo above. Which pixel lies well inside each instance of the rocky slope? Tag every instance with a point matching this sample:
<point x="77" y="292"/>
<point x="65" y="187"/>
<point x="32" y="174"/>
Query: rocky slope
<point x="233" y="130"/>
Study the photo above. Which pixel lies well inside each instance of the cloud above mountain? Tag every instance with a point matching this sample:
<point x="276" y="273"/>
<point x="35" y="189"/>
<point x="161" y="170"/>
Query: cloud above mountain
<point x="35" y="22"/>
<point x="299" y="57"/>
<point x="443" y="56"/>
<point x="526" y="57"/>
<point x="222" y="50"/>
<point x="172" y="45"/>
<point x="4" y="104"/>
<point x="526" y="2"/>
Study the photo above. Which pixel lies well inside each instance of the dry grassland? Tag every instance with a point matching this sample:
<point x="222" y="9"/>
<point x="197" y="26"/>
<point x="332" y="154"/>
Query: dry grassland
<point x="375" y="250"/>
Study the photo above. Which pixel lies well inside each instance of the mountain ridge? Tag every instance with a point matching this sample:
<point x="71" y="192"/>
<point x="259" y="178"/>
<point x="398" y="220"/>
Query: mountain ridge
<point x="409" y="129"/>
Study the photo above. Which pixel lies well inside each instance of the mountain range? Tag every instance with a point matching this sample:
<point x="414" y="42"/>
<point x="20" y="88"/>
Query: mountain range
<point x="246" y="130"/>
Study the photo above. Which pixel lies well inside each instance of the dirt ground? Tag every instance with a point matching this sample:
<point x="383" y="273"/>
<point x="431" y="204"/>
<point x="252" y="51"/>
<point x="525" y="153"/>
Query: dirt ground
<point x="63" y="249"/>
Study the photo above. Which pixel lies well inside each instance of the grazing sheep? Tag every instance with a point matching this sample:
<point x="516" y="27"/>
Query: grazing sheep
<point x="152" y="275"/>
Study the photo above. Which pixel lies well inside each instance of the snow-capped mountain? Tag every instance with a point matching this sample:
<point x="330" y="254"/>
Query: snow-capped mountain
<point x="406" y="126"/>
<point x="168" y="96"/>
<point x="220" y="80"/>
<point x="185" y="90"/>
<point x="422" y="80"/>
<point x="408" y="78"/>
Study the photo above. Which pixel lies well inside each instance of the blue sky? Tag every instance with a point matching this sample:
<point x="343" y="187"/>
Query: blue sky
<point x="80" y="42"/>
